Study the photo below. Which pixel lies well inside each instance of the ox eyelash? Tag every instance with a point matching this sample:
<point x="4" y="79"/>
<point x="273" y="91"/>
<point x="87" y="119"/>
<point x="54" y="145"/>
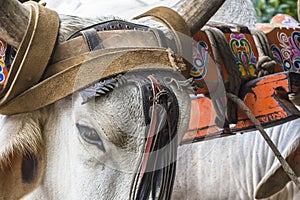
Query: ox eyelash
<point x="98" y="89"/>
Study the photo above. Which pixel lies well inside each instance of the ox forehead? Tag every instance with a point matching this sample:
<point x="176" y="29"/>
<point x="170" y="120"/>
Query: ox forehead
<point x="94" y="42"/>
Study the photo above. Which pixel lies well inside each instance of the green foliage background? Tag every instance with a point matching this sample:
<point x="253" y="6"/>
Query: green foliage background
<point x="266" y="9"/>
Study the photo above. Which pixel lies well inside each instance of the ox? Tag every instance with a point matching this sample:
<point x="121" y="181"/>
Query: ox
<point x="69" y="153"/>
<point x="91" y="143"/>
<point x="236" y="167"/>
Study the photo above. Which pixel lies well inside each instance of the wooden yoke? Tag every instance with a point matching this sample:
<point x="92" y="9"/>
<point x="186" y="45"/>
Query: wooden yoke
<point x="267" y="96"/>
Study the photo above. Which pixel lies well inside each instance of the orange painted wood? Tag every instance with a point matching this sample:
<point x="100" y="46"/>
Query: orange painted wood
<point x="204" y="71"/>
<point x="202" y="120"/>
<point x="266" y="97"/>
<point x="242" y="46"/>
<point x="283" y="33"/>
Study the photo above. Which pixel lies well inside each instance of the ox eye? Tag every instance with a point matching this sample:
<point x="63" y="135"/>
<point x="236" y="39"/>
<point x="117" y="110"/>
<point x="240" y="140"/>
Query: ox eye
<point x="91" y="136"/>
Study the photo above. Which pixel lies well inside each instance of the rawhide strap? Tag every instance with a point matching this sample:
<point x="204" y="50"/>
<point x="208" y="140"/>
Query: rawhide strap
<point x="156" y="174"/>
<point x="33" y="54"/>
<point x="172" y="20"/>
<point x="169" y="17"/>
<point x="111" y="34"/>
<point x="90" y="57"/>
<point x="95" y="67"/>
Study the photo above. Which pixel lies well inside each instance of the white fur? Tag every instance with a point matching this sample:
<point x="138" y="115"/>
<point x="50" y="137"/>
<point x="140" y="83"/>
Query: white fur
<point x="237" y="11"/>
<point x="228" y="168"/>
<point x="89" y="8"/>
<point x="233" y="167"/>
<point x="233" y="11"/>
<point x="78" y="170"/>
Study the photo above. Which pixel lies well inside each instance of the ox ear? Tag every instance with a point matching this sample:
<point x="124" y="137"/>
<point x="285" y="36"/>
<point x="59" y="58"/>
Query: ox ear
<point x="21" y="155"/>
<point x="276" y="178"/>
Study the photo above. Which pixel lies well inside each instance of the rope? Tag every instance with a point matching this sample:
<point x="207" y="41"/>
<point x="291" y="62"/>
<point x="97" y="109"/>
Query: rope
<point x="232" y="85"/>
<point x="288" y="170"/>
<point x="265" y="64"/>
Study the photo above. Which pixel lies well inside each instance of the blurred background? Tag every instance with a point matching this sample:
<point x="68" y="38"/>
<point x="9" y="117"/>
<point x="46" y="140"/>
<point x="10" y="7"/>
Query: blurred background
<point x="266" y="9"/>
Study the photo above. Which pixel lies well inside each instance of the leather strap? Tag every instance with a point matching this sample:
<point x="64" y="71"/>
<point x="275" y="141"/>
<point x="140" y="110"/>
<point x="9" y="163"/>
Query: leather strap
<point x="92" y="39"/>
<point x="111" y="39"/>
<point x="34" y="52"/>
<point x="156" y="88"/>
<point x="32" y="86"/>
<point x="172" y="20"/>
<point x="169" y="17"/>
<point x="75" y="74"/>
<point x="110" y="25"/>
<point x="155" y="176"/>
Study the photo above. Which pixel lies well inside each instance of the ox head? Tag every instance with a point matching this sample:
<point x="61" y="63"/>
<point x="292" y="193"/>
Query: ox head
<point x="80" y="148"/>
<point x="76" y="149"/>
<point x="85" y="146"/>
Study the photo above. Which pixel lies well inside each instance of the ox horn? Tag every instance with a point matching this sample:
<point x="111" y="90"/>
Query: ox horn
<point x="196" y="13"/>
<point x="298" y="10"/>
<point x="15" y="16"/>
<point x="14" y="19"/>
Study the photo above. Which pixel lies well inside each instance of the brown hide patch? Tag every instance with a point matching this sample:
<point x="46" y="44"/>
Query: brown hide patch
<point x="278" y="179"/>
<point x="12" y="184"/>
<point x="22" y="155"/>
<point x="22" y="137"/>
<point x="29" y="168"/>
